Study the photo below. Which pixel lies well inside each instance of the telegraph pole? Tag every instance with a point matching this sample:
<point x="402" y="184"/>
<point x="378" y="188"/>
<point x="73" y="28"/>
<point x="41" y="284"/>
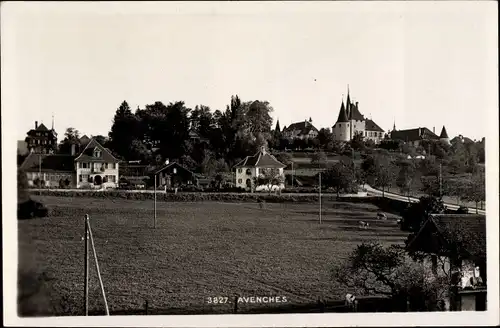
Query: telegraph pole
<point x="440" y="180"/>
<point x="319" y="197"/>
<point x="154" y="223"/>
<point x="292" y="174"/>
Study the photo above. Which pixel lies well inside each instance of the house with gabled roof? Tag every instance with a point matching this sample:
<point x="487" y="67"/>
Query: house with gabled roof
<point x="454" y="246"/>
<point x="350" y="122"/>
<point x="41" y="139"/>
<point x="251" y="167"/>
<point x="96" y="167"/>
<point x="300" y="130"/>
<point x="49" y="170"/>
<point x="173" y="175"/>
<point x="413" y="137"/>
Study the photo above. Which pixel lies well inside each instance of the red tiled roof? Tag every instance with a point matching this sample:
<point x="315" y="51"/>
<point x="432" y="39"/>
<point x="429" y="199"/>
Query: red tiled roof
<point x="413" y="134"/>
<point x="261" y="159"/>
<point x="42" y="128"/>
<point x="48" y="163"/>
<point x="304" y="127"/>
<point x="372" y="126"/>
<point x="354" y="113"/>
<point x="87" y="154"/>
<point x="466" y="232"/>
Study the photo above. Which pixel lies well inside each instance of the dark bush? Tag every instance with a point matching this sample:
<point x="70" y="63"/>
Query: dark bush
<point x="31" y="209"/>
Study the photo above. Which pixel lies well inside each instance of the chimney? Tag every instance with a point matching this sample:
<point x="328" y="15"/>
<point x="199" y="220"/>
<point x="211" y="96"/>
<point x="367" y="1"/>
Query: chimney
<point x="434" y="129"/>
<point x="357" y="104"/>
<point x="263" y="149"/>
<point x="73" y="146"/>
<point x="419" y="132"/>
<point x="167" y="161"/>
<point x="36" y="124"/>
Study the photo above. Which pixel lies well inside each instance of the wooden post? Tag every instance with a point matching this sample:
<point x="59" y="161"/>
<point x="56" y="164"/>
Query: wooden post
<point x="146" y="307"/>
<point x="154" y="223"/>
<point x="86" y="268"/>
<point x="320" y="197"/>
<point x="97" y="268"/>
<point x="292" y="174"/>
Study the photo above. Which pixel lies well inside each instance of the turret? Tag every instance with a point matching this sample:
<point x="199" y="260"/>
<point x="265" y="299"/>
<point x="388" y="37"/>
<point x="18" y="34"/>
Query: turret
<point x="444" y="136"/>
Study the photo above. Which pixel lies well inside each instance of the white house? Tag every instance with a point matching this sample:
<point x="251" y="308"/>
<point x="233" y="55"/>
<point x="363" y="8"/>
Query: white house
<point x="96" y="167"/>
<point x="252" y="166"/>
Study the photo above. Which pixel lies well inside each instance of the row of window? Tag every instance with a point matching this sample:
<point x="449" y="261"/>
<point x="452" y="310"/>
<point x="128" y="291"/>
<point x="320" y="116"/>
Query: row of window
<point x="48" y="176"/>
<point x="249" y="172"/>
<point x="96" y="166"/>
<point x="88" y="178"/>
<point x="373" y="134"/>
<point x="41" y="142"/>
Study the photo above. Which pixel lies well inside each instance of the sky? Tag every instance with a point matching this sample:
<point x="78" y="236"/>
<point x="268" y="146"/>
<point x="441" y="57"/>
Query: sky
<point x="415" y="64"/>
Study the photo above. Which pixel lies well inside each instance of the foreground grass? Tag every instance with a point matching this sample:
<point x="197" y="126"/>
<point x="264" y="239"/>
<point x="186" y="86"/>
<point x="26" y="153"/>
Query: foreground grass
<point x="198" y="250"/>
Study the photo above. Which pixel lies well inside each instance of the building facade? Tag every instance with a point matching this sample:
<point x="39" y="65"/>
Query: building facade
<point x="413" y="137"/>
<point x="300" y="130"/>
<point x="41" y="140"/>
<point x="250" y="168"/>
<point x="49" y="170"/>
<point x="172" y="175"/>
<point x="96" y="167"/>
<point x="350" y="122"/>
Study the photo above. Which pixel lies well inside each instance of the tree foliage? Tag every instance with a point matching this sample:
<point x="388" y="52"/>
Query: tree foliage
<point x="372" y="269"/>
<point x="417" y="213"/>
<point x="340" y="177"/>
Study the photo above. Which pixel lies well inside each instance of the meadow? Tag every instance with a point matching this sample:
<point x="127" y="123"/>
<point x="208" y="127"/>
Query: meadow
<point x="198" y="250"/>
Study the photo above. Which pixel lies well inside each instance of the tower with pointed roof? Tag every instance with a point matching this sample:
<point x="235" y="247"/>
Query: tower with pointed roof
<point x="341" y="129"/>
<point x="443" y="137"/>
<point x="350" y="122"/>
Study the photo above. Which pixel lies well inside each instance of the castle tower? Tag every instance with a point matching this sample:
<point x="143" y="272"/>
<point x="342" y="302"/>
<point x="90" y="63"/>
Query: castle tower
<point x="444" y="136"/>
<point x="356" y="120"/>
<point x="341" y="129"/>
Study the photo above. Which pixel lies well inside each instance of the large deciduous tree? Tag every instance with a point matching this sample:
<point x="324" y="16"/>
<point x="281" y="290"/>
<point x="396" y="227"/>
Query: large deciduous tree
<point x="124" y="131"/>
<point x="340" y="177"/>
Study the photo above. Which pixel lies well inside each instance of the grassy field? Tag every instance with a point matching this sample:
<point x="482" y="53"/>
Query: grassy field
<point x="198" y="250"/>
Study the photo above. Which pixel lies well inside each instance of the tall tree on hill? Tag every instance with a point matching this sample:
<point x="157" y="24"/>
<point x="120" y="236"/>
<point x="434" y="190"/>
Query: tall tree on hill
<point x="175" y="133"/>
<point x="406" y="177"/>
<point x="324" y="137"/>
<point x="340" y="177"/>
<point x="71" y="137"/>
<point x="385" y="173"/>
<point x="124" y="130"/>
<point x="357" y="143"/>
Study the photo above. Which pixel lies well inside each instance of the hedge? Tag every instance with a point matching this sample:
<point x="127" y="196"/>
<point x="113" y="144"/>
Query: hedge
<point x="189" y="197"/>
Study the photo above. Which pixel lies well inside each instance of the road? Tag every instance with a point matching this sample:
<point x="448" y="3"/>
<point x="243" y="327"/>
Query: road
<point x="369" y="189"/>
<point x="377" y="192"/>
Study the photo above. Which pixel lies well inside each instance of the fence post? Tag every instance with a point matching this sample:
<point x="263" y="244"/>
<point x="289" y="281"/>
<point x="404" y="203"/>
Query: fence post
<point x="146" y="306"/>
<point x="86" y="267"/>
<point x="97" y="268"/>
<point x="236" y="304"/>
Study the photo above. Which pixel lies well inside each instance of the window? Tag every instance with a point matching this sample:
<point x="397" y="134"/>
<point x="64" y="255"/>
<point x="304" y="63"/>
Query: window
<point x="105" y="165"/>
<point x="240" y="170"/>
<point x="80" y="178"/>
<point x="249" y="172"/>
<point x="239" y="180"/>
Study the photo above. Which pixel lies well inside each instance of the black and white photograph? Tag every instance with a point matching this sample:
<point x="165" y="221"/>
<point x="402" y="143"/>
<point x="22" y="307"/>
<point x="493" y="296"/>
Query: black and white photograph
<point x="297" y="163"/>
